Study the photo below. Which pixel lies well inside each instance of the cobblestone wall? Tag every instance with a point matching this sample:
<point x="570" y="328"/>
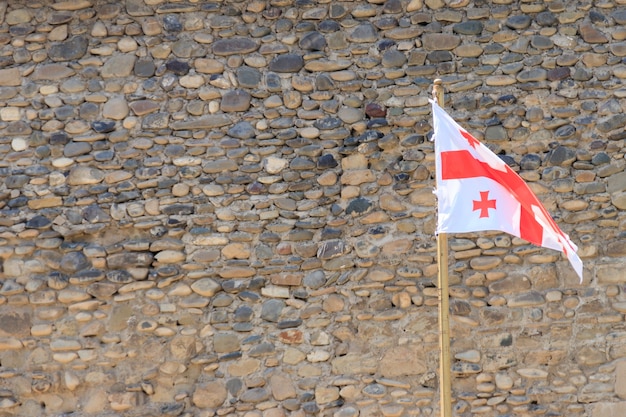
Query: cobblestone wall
<point x="226" y="208"/>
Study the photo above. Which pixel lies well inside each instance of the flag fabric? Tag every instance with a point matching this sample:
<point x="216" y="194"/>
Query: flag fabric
<point x="477" y="191"/>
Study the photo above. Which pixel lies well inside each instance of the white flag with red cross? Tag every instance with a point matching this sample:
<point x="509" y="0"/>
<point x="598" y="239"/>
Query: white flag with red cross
<point x="478" y="191"/>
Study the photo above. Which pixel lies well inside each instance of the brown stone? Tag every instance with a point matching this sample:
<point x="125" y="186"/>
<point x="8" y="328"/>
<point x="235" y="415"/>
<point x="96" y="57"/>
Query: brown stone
<point x="118" y="66"/>
<point x="143" y="107"/>
<point x="440" y="41"/>
<point x="282" y="387"/>
<point x="15" y="324"/>
<point x="236" y="272"/>
<point x="484" y="263"/>
<point x="41" y="203"/>
<point x="402" y="361"/>
<point x="333" y="303"/>
<point x="618" y="48"/>
<point x="290" y="279"/>
<point x="10" y="77"/>
<point x="209" y="395"/>
<point x="356" y="177"/>
<point x="591" y="34"/>
<point x="51" y="72"/>
<point x="291" y="336"/>
<point x="244" y="367"/>
<point x="72" y="5"/>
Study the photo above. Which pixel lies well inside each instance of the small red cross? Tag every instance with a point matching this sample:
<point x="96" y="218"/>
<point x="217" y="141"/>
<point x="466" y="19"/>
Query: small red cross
<point x="484" y="204"/>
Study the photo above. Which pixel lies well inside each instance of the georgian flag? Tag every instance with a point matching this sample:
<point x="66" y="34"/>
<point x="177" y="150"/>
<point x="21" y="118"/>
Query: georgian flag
<point x="477" y="191"/>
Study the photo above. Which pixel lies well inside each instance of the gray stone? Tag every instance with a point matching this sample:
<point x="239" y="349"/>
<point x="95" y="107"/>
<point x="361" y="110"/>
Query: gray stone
<point x="559" y="73"/>
<point x="138" y="8"/>
<point x="70" y="50"/>
<point x="375" y="390"/>
<point x="205" y="122"/>
<point x="144" y="68"/>
<point x="233" y="46"/>
<point x="363" y="33"/>
<point x="286" y="63"/>
<point x="314" y="280"/>
<point x="331" y="249"/>
<point x="519" y="22"/>
<point x="255" y="395"/>
<point x="218" y="166"/>
<point x="546" y="19"/>
<point x="119" y="277"/>
<point x="89" y="111"/>
<point x="530" y="162"/>
<point x="186" y="48"/>
<point x="16" y="181"/>
<point x="561" y="156"/>
<point x="7" y="93"/>
<point x="541" y="42"/>
<point x="393" y="58"/>
<point x="74" y="262"/>
<point x="535" y="74"/>
<point x="328" y="123"/>
<point x="272" y="309"/>
<point x="243" y="314"/>
<point x="129" y="260"/>
<point x="610" y="123"/>
<point x="262" y="349"/>
<point x="38" y="222"/>
<point x="249" y="77"/>
<point x="242" y="130"/>
<point x="236" y="101"/>
<point x="95" y="214"/>
<point x="155" y="121"/>
<point x="74" y="149"/>
<point x="302" y="164"/>
<point x="178" y="67"/>
<point x="468" y="28"/>
<point x="172" y="23"/>
<point x="313" y="41"/>
<point x="565" y="132"/>
<point x="225" y="342"/>
<point x="600" y="159"/>
<point x="359" y="206"/>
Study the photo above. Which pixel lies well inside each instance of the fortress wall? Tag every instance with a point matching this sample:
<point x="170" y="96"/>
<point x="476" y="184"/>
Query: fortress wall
<point x="226" y="208"/>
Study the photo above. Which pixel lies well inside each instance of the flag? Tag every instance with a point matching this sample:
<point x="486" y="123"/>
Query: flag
<point x="478" y="191"/>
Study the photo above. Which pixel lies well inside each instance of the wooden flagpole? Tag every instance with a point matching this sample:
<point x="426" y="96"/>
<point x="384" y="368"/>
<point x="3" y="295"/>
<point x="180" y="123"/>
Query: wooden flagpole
<point x="445" y="381"/>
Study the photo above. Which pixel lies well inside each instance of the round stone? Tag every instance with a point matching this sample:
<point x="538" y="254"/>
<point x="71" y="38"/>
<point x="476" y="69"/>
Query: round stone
<point x="19" y="144"/>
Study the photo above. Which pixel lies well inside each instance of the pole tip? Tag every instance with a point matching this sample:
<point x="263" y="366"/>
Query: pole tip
<point x="438" y="92"/>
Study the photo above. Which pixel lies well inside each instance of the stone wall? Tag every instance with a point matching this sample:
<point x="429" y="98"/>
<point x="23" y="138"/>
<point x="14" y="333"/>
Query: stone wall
<point x="226" y="208"/>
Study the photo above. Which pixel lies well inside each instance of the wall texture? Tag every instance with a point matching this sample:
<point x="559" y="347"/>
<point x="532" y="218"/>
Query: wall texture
<point x="226" y="208"/>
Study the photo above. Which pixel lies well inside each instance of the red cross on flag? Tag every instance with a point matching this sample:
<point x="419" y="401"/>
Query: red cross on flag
<point x="478" y="191"/>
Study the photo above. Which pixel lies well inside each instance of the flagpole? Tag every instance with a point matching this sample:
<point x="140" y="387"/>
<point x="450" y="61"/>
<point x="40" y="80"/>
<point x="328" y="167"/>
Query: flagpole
<point x="445" y="381"/>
